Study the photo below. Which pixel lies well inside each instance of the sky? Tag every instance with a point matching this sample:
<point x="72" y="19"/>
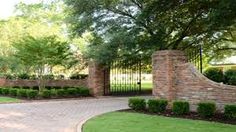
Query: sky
<point x="7" y="6"/>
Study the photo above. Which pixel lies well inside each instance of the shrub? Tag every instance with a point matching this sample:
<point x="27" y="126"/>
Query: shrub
<point x="214" y="74"/>
<point x="48" y="87"/>
<point x="82" y="91"/>
<point x="53" y="92"/>
<point x="5" y="91"/>
<point x="230" y="77"/>
<point x="0" y="90"/>
<point x="206" y="109"/>
<point x="32" y="94"/>
<point x="23" y="76"/>
<point x="9" y="76"/>
<point x="16" y="87"/>
<point x="180" y="107"/>
<point x="137" y="104"/>
<point x="230" y="112"/>
<point x="62" y="92"/>
<point x="48" y="77"/>
<point x="35" y="87"/>
<point x="46" y="94"/>
<point x="13" y="92"/>
<point x="72" y="91"/>
<point x="78" y="76"/>
<point x="156" y="106"/>
<point x="22" y="93"/>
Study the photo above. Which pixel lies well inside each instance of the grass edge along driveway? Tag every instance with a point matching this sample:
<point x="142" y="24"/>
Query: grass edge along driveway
<point x="135" y="122"/>
<point x="9" y="100"/>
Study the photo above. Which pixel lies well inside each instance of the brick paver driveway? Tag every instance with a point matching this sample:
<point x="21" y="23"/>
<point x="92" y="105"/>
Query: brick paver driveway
<point x="55" y="116"/>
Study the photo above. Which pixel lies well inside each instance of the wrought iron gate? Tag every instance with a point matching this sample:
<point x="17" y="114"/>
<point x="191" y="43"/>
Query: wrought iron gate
<point x="125" y="78"/>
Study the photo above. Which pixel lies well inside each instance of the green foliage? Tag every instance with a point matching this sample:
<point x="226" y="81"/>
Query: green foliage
<point x="46" y="94"/>
<point x="78" y="76"/>
<point x="72" y="91"/>
<point x="23" y="76"/>
<point x="126" y="29"/>
<point x="230" y="77"/>
<point x="48" y="77"/>
<point x="230" y="112"/>
<point x="0" y="90"/>
<point x="180" y="107"/>
<point x="137" y="104"/>
<point x="32" y="94"/>
<point x="214" y="74"/>
<point x="13" y="92"/>
<point x="82" y="91"/>
<point x="5" y="91"/>
<point x="21" y="93"/>
<point x="62" y="92"/>
<point x="206" y="109"/>
<point x="156" y="106"/>
<point x="53" y="92"/>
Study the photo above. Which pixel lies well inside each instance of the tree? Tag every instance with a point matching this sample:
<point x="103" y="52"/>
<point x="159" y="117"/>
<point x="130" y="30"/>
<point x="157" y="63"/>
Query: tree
<point x="128" y="28"/>
<point x="42" y="53"/>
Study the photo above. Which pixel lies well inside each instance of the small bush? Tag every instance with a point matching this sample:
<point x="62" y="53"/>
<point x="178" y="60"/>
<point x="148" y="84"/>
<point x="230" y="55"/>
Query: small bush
<point x="180" y="107"/>
<point x="0" y="90"/>
<point x="5" y="91"/>
<point x="137" y="104"/>
<point x="9" y="76"/>
<point x="83" y="91"/>
<point x="230" y="112"/>
<point x="46" y="94"/>
<point x="230" y="77"/>
<point x="206" y="109"/>
<point x="32" y="94"/>
<point x="21" y="93"/>
<point x="53" y="92"/>
<point x="23" y="76"/>
<point x="78" y="76"/>
<point x="62" y="92"/>
<point x="35" y="87"/>
<point x="13" y="92"/>
<point x="157" y="106"/>
<point x="72" y="91"/>
<point x="49" y="77"/>
<point x="214" y="74"/>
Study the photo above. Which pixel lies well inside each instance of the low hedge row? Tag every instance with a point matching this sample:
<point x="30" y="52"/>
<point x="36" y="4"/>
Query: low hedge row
<point x="204" y="109"/>
<point x="52" y="93"/>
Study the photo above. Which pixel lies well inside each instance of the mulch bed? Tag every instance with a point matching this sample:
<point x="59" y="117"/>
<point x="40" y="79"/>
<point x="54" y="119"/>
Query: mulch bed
<point x="218" y="117"/>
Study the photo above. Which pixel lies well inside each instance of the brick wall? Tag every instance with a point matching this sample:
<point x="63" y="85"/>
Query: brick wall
<point x="174" y="79"/>
<point x="97" y="82"/>
<point x="31" y="83"/>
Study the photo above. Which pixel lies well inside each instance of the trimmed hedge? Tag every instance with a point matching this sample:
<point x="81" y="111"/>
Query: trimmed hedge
<point x="137" y="104"/>
<point x="206" y="109"/>
<point x="61" y="92"/>
<point x="82" y="91"/>
<point x="230" y="112"/>
<point x="157" y="106"/>
<point x="13" y="92"/>
<point x="180" y="107"/>
<point x="230" y="77"/>
<point x="5" y="91"/>
<point x="22" y="93"/>
<point x="46" y="94"/>
<point x="215" y="74"/>
<point x="53" y="92"/>
<point x="32" y="94"/>
<point x="72" y="91"/>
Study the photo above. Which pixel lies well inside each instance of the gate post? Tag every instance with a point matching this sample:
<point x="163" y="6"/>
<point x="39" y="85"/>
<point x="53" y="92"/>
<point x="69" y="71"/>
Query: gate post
<point x="163" y="63"/>
<point x="99" y="79"/>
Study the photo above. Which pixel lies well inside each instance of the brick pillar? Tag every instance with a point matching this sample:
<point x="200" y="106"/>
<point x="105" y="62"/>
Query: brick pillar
<point x="99" y="79"/>
<point x="163" y="63"/>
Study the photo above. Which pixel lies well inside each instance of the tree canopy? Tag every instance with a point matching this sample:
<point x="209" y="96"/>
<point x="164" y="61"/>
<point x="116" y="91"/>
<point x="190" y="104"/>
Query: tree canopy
<point x="130" y="28"/>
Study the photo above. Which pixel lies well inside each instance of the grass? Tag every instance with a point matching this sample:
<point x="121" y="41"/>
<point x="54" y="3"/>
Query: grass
<point x="144" y="86"/>
<point x="8" y="100"/>
<point x="135" y="122"/>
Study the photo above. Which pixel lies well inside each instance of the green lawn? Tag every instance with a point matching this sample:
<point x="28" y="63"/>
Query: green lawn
<point x="144" y="86"/>
<point x="8" y="100"/>
<point x="134" y="122"/>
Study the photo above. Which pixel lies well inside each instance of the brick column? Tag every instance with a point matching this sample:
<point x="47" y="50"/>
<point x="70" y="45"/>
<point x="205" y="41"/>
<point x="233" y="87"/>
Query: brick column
<point x="98" y="80"/>
<point x="163" y="63"/>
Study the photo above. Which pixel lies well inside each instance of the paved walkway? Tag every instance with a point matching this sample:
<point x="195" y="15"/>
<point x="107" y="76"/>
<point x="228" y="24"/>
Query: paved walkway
<point x="55" y="116"/>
